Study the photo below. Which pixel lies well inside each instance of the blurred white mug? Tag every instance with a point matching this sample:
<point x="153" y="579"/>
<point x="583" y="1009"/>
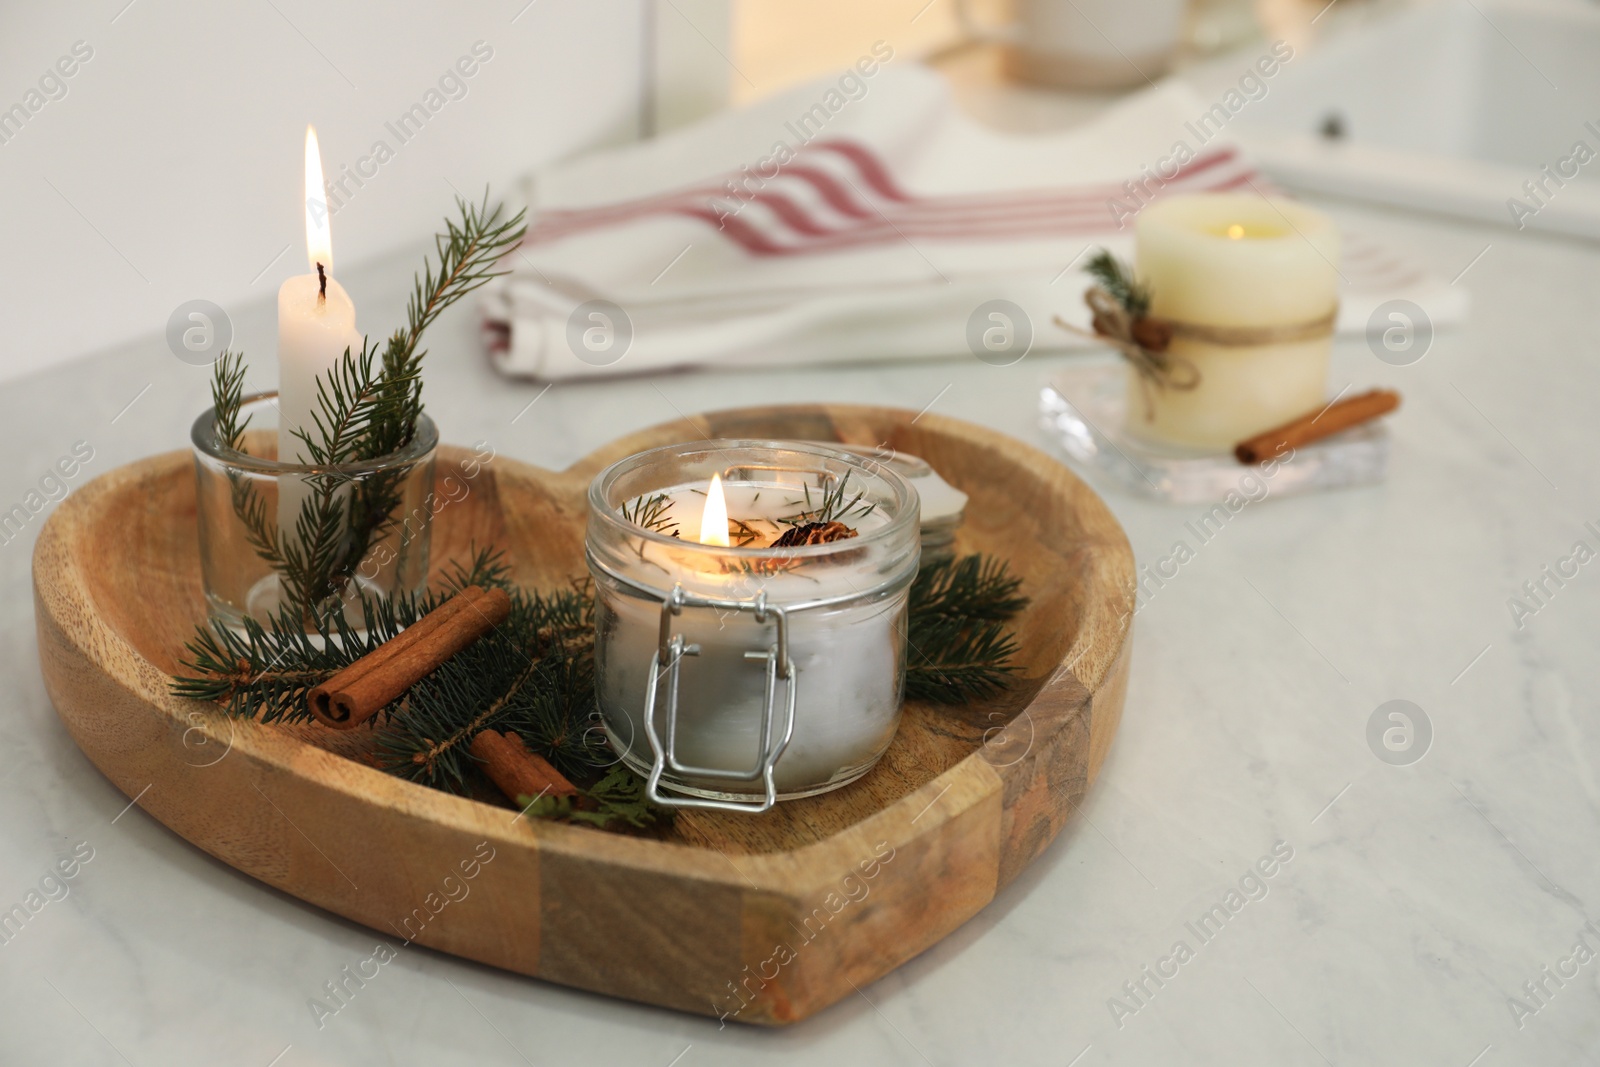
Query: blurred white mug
<point x="1086" y="44"/>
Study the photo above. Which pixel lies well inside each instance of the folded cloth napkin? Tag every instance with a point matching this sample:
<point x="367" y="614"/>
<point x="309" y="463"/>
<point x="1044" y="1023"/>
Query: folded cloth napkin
<point x="826" y="226"/>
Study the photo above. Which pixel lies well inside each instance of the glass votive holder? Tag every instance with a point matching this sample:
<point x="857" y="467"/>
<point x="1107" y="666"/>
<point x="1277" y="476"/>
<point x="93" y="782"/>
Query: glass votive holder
<point x="377" y="519"/>
<point x="734" y="675"/>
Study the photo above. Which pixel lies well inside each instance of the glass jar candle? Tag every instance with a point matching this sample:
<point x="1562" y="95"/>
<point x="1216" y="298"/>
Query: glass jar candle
<point x="733" y="671"/>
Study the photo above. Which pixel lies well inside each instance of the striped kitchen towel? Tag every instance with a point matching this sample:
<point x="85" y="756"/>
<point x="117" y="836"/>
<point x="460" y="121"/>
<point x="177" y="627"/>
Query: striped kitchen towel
<point x="853" y="220"/>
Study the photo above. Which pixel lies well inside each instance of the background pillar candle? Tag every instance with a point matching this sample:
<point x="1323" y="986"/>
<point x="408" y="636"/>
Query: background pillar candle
<point x="1236" y="261"/>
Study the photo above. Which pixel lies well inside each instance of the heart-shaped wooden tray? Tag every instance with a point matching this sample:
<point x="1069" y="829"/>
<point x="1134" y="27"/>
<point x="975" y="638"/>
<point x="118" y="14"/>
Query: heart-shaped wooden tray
<point x="763" y="919"/>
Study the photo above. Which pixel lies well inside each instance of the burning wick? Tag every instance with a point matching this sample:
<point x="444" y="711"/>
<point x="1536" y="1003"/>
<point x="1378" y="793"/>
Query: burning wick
<point x="322" y="283"/>
<point x="714" y="519"/>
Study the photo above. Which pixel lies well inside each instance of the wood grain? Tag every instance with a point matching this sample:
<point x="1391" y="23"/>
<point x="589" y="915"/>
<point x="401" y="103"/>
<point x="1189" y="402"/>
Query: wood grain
<point x="762" y="919"/>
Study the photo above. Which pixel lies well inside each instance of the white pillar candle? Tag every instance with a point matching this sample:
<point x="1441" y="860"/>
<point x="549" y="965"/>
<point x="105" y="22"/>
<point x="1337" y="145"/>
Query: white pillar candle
<point x="1236" y="262"/>
<point x="316" y="324"/>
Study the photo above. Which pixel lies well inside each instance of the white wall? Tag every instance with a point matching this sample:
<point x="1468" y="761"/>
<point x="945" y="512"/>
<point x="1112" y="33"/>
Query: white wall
<point x="171" y="168"/>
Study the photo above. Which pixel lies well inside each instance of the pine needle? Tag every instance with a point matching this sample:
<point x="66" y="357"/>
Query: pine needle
<point x="652" y="513"/>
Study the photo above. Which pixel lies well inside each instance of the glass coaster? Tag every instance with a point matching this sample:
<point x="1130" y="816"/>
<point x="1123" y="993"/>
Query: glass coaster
<point x="1083" y="409"/>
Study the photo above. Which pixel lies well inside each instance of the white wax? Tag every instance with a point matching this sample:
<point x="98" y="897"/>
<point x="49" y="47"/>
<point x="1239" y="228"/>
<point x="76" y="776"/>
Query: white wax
<point x="313" y="335"/>
<point x="847" y="660"/>
<point x="1276" y="269"/>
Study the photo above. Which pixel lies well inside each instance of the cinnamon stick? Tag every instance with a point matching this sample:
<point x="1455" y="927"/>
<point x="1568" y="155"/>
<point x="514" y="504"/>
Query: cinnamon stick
<point x="518" y="771"/>
<point x="356" y="694"/>
<point x="1315" y="425"/>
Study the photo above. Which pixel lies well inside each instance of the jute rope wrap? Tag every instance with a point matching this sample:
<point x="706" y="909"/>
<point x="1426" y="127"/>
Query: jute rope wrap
<point x="1249" y="336"/>
<point x="1143" y="341"/>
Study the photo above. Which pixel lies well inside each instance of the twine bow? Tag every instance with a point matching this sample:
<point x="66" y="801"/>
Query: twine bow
<point x="1141" y="340"/>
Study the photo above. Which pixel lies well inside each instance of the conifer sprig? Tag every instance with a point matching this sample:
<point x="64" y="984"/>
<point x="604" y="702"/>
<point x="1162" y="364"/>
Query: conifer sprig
<point x="532" y="674"/>
<point x="227" y="397"/>
<point x="1118" y="279"/>
<point x="960" y="648"/>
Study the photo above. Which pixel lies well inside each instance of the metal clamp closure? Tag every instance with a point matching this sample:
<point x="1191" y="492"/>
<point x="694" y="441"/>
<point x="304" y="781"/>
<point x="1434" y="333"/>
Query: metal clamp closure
<point x="667" y="659"/>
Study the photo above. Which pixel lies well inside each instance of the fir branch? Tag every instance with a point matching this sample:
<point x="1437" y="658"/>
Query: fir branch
<point x="532" y="674"/>
<point x="468" y="253"/>
<point x="1117" y="278"/>
<point x="486" y="567"/>
<point x="227" y="398"/>
<point x="260" y="522"/>
<point x="348" y="397"/>
<point x="440" y="761"/>
<point x="267" y="671"/>
<point x="973" y="587"/>
<point x="958" y="642"/>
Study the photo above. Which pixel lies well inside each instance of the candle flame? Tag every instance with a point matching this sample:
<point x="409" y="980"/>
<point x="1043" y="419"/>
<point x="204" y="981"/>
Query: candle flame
<point x="714" y="519"/>
<point x="319" y="241"/>
<point x="1235" y="232"/>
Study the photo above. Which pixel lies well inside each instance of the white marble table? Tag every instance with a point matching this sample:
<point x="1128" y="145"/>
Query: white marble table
<point x="1418" y="898"/>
